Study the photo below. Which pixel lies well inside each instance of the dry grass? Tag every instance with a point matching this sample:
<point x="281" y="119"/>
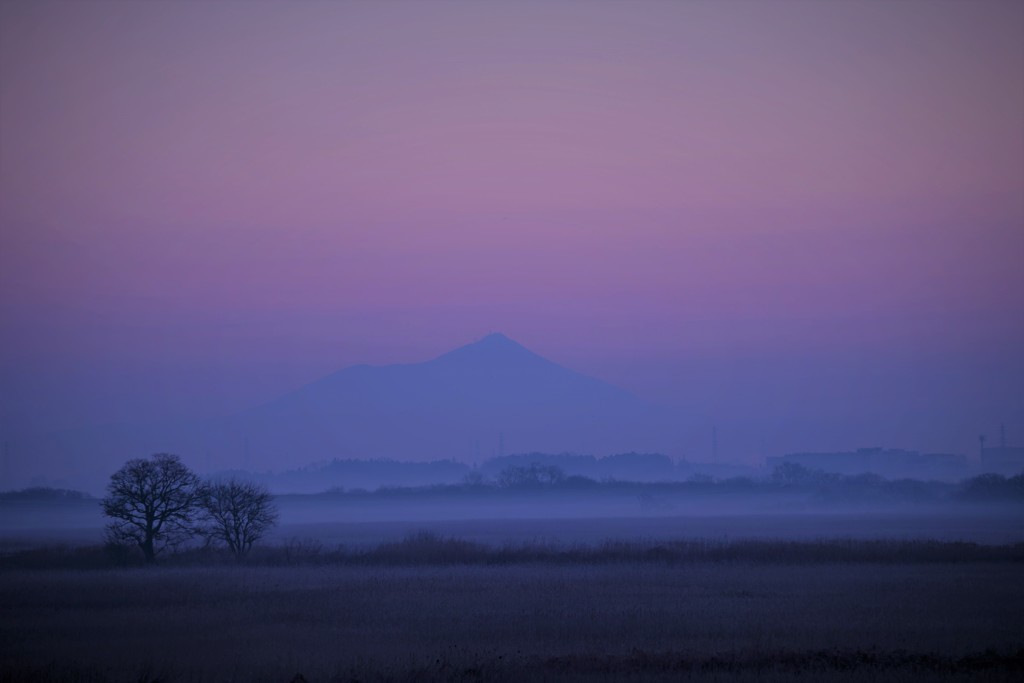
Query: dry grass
<point x="425" y="548"/>
<point x="619" y="621"/>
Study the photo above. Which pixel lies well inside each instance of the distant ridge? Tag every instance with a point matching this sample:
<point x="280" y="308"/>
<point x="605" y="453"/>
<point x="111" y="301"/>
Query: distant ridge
<point x="485" y="399"/>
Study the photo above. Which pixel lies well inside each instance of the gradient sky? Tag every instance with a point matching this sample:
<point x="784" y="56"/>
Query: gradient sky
<point x="801" y="221"/>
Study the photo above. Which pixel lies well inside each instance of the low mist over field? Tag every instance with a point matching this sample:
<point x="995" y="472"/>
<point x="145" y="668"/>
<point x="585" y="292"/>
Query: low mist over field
<point x="511" y="341"/>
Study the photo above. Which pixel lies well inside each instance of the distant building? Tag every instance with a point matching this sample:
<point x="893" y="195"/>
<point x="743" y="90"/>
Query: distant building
<point x="714" y="470"/>
<point x="1006" y="460"/>
<point x="892" y="463"/>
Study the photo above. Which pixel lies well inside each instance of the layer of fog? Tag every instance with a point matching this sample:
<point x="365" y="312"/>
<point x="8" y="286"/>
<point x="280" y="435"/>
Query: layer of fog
<point x="567" y="519"/>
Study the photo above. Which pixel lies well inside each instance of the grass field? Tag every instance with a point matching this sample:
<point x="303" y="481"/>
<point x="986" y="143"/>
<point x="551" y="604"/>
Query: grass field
<point x="610" y="621"/>
<point x="903" y="596"/>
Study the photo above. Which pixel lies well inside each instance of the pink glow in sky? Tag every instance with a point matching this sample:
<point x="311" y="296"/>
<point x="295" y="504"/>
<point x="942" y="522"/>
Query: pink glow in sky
<point x="277" y="190"/>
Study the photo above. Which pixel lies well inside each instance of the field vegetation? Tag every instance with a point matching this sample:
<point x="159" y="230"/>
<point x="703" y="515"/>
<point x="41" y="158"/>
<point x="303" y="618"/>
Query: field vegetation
<point x="740" y="620"/>
<point x="427" y="548"/>
<point x="778" y="583"/>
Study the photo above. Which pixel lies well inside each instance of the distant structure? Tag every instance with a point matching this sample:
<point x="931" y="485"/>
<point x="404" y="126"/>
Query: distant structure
<point x="892" y="463"/>
<point x="714" y="444"/>
<point x="1002" y="459"/>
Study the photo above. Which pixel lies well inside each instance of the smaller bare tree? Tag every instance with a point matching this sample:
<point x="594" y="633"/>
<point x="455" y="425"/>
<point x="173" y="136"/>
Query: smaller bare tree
<point x="152" y="503"/>
<point x="237" y="514"/>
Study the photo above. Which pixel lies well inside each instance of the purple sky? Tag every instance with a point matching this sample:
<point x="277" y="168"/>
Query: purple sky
<point x="802" y="221"/>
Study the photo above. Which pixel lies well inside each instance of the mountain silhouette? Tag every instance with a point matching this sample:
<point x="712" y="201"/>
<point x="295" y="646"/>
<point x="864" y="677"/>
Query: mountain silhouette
<point x="494" y="392"/>
<point x="489" y="397"/>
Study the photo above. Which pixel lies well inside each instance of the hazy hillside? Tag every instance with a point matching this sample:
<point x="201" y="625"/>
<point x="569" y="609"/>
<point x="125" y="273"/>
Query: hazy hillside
<point x="444" y="408"/>
<point x="481" y="400"/>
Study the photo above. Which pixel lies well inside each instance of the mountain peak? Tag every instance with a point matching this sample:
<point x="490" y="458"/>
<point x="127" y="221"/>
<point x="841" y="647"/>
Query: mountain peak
<point x="493" y="347"/>
<point x="497" y="338"/>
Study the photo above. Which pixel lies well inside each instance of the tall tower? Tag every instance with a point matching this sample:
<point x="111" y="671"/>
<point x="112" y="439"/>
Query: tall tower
<point x="981" y="447"/>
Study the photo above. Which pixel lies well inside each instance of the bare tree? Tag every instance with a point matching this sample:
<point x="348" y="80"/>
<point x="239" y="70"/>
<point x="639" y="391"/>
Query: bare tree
<point x="237" y="514"/>
<point x="152" y="503"/>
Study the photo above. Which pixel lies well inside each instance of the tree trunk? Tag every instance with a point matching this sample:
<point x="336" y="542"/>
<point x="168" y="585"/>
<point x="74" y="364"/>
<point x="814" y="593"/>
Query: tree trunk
<point x="147" y="550"/>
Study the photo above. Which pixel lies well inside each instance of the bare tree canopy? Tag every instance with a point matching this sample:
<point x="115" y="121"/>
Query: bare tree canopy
<point x="237" y="514"/>
<point x="152" y="503"/>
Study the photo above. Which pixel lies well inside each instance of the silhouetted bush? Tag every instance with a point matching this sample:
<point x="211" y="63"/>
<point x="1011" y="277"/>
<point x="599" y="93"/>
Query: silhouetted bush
<point x="68" y="557"/>
<point x="427" y="547"/>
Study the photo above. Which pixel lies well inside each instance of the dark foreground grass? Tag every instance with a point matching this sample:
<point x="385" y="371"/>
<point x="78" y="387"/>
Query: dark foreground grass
<point x="825" y="665"/>
<point x="733" y="621"/>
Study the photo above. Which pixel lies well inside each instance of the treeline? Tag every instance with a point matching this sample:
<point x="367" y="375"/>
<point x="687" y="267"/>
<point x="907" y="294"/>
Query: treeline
<point x="350" y="474"/>
<point x="536" y="478"/>
<point x="993" y="487"/>
<point x="788" y="478"/>
<point x="985" y="487"/>
<point x="648" y="467"/>
<point x="372" y="474"/>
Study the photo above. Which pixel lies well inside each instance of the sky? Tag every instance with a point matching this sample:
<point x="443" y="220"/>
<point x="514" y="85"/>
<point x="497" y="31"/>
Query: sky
<point x="800" y="221"/>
